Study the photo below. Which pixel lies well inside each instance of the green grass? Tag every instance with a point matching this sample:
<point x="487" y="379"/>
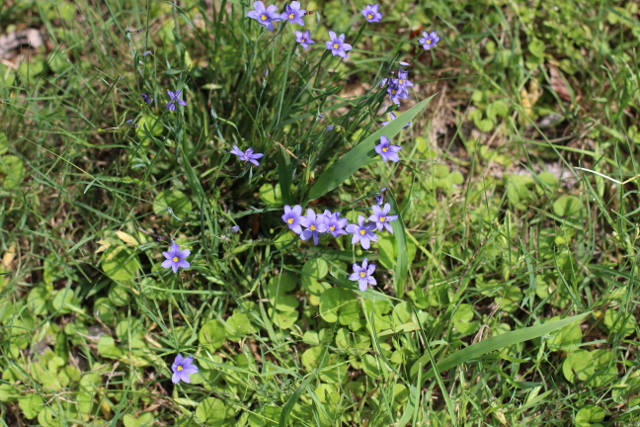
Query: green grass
<point x="517" y="196"/>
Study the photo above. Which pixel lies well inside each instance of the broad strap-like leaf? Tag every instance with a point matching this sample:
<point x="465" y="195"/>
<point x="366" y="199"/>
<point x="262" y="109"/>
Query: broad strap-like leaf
<point x="500" y="341"/>
<point x="359" y="155"/>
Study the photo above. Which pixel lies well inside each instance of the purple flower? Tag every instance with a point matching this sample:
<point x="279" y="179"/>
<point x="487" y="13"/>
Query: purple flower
<point x="292" y="218"/>
<point x="315" y="225"/>
<point x="401" y="82"/>
<point x="330" y="128"/>
<point x="182" y="368"/>
<point x="388" y="151"/>
<point x="293" y="13"/>
<point x="371" y="13"/>
<point x="382" y="218"/>
<point x="337" y="45"/>
<point x="429" y="40"/>
<point x="396" y="93"/>
<point x="265" y="17"/>
<point x="405" y="64"/>
<point x="174" y="96"/>
<point x="383" y="83"/>
<point x="393" y="117"/>
<point x="247" y="156"/>
<point x="335" y="225"/>
<point x="362" y="274"/>
<point x="363" y="233"/>
<point x="304" y="38"/>
<point x="146" y="98"/>
<point x="146" y="52"/>
<point x="176" y="258"/>
<point x="235" y="229"/>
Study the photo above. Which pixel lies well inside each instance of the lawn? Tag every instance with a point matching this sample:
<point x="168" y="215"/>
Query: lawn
<point x="416" y="214"/>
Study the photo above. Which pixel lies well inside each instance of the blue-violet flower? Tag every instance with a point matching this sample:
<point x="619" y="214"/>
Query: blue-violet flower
<point x="337" y="45"/>
<point x="292" y="218"/>
<point x="335" y="225"/>
<point x="429" y="40"/>
<point x="182" y="368"/>
<point x="265" y="17"/>
<point x="293" y="13"/>
<point x="314" y="224"/>
<point x="247" y="156"/>
<point x="174" y="96"/>
<point x="304" y="39"/>
<point x="362" y="274"/>
<point x="362" y="232"/>
<point x="371" y="13"/>
<point x="388" y="151"/>
<point x="176" y="258"/>
<point x="382" y="218"/>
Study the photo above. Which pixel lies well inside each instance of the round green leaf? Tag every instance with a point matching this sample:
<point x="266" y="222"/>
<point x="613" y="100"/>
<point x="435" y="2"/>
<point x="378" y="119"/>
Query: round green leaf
<point x="31" y="405"/>
<point x="212" y="334"/>
<point x="567" y="206"/>
<point x="11" y="171"/>
<point x="120" y="263"/>
<point x="578" y="365"/>
<point x="213" y="411"/>
<point x="338" y="304"/>
<point x="174" y="201"/>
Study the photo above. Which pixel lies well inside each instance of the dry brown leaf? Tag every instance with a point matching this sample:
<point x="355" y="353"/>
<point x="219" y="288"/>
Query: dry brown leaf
<point x="558" y="83"/>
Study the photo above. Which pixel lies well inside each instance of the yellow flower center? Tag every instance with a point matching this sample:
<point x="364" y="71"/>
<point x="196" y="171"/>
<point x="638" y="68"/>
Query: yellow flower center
<point x="370" y="16"/>
<point x="263" y="17"/>
<point x="180" y="368"/>
<point x="303" y="40"/>
<point x="363" y="274"/>
<point x="429" y="41"/>
<point x="393" y="92"/>
<point x="291" y="16"/>
<point x="176" y="259"/>
<point x="382" y="218"/>
<point x="400" y="81"/>
<point x="335" y="45"/>
<point x="332" y="228"/>
<point x="363" y="232"/>
<point x="313" y="228"/>
<point x="385" y="149"/>
<point x="290" y="220"/>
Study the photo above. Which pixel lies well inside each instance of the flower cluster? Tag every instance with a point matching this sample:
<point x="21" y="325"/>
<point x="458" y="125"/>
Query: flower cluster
<point x="363" y="232"/>
<point x="267" y="16"/>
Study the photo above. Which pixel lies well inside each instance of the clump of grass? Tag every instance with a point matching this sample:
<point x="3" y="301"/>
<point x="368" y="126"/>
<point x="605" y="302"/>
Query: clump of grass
<point x="504" y="265"/>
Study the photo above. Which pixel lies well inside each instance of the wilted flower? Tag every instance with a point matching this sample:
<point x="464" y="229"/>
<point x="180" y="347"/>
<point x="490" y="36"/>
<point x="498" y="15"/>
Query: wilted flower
<point x="304" y="39"/>
<point x="235" y="229"/>
<point x="247" y="156"/>
<point x="146" y="98"/>
<point x="174" y="96"/>
<point x="362" y="274"/>
<point x="292" y="218"/>
<point x="175" y="258"/>
<point x="388" y="151"/>
<point x="335" y="225"/>
<point x="362" y="232"/>
<point x="330" y="128"/>
<point x="382" y="218"/>
<point x="371" y="13"/>
<point x="293" y="13"/>
<point x="315" y="225"/>
<point x="182" y="368"/>
<point x="265" y="17"/>
<point x="337" y="45"/>
<point x="429" y="40"/>
<point x="146" y="52"/>
<point x="393" y="117"/>
<point x="405" y="64"/>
